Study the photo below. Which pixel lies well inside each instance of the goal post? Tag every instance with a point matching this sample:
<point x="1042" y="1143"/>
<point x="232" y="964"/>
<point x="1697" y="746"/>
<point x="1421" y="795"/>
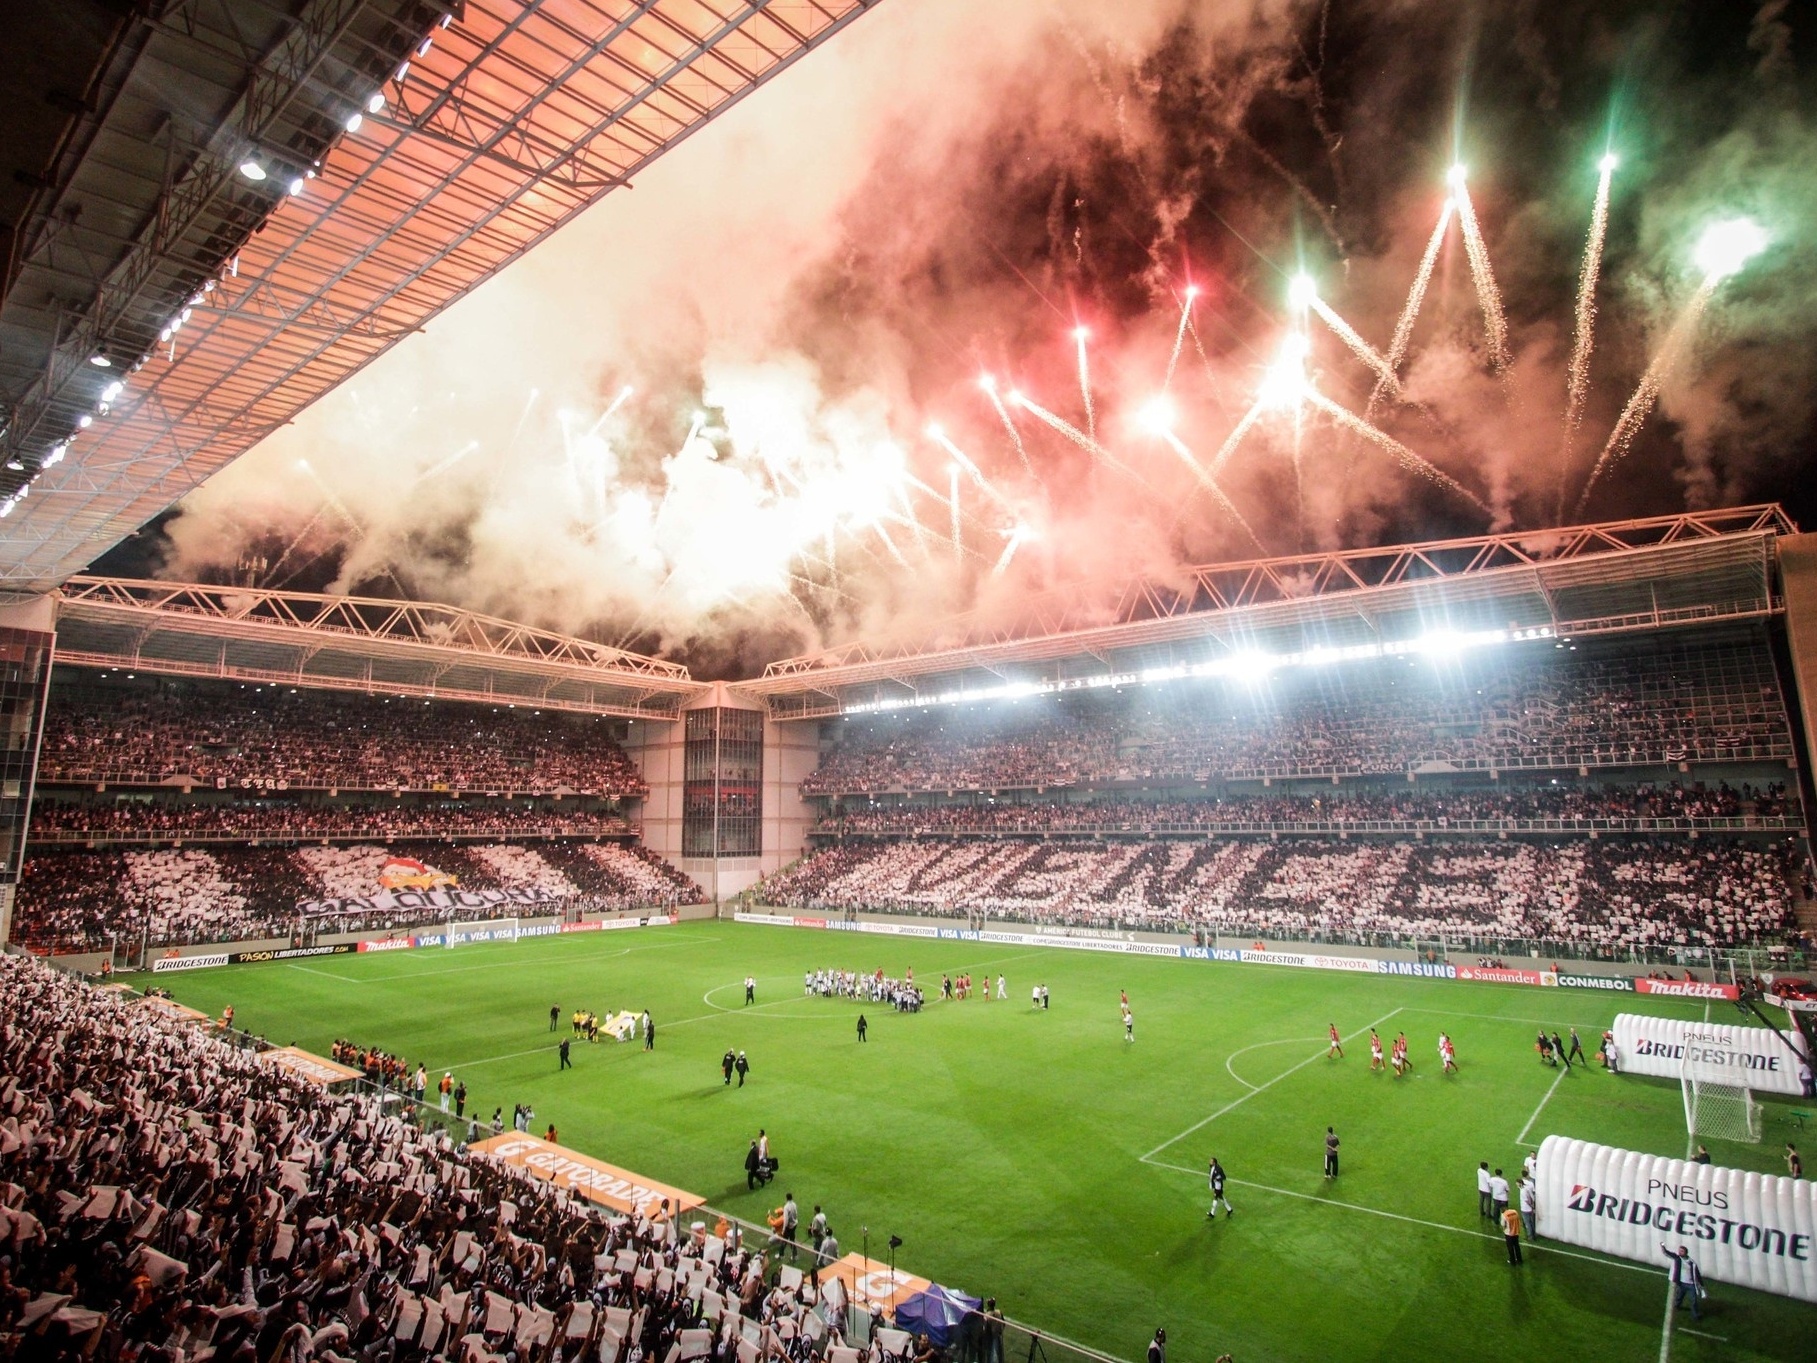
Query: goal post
<point x="1724" y="1112"/>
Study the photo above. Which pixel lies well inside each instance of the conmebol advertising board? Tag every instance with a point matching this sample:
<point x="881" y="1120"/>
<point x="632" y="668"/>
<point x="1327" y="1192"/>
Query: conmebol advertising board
<point x="1713" y="1052"/>
<point x="1756" y="1230"/>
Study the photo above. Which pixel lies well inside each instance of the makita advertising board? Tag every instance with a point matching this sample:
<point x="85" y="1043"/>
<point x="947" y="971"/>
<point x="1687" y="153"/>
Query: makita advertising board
<point x="1713" y="1052"/>
<point x="1756" y="1230"/>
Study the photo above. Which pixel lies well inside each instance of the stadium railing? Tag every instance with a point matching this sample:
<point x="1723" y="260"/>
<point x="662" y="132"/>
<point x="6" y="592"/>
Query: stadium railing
<point x="1339" y="827"/>
<point x="60" y="837"/>
<point x="1453" y="949"/>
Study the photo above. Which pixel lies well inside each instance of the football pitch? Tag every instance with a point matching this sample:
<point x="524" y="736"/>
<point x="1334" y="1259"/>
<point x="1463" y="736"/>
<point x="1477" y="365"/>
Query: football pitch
<point x="1040" y="1158"/>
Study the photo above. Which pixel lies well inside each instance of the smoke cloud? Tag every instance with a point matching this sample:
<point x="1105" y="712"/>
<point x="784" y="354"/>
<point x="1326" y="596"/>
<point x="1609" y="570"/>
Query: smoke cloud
<point x="802" y="295"/>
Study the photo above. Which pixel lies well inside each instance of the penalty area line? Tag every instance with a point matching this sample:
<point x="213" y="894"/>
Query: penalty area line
<point x="1259" y="1088"/>
<point x="1522" y="1138"/>
<point x="1410" y="1220"/>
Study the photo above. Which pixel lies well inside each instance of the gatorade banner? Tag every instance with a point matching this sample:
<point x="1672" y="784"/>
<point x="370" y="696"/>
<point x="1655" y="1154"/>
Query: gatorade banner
<point x="1712" y="1052"/>
<point x="868" y="1282"/>
<point x="1755" y="1230"/>
<point x="311" y="1067"/>
<point x="593" y="1179"/>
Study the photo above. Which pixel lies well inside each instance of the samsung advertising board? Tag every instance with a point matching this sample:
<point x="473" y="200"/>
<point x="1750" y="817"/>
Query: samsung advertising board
<point x="1711" y="1052"/>
<point x="1754" y="1230"/>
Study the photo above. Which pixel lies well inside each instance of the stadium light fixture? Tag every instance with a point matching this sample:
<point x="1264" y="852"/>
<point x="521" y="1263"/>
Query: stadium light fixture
<point x="354" y="120"/>
<point x="252" y="169"/>
<point x="376" y="104"/>
<point x="112" y="391"/>
<point x="422" y="48"/>
<point x="85" y="421"/>
<point x="100" y="361"/>
<point x="16" y="464"/>
<point x="296" y="186"/>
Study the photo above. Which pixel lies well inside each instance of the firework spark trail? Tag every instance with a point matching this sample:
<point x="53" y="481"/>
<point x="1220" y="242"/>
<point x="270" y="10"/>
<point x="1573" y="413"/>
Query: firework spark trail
<point x="1010" y="426"/>
<point x="1416" y="296"/>
<point x="1408" y="459"/>
<point x="1204" y="359"/>
<point x="890" y="544"/>
<point x="964" y="460"/>
<point x="1009" y="552"/>
<point x="1235" y="438"/>
<point x="522" y="417"/>
<point x="1365" y="352"/>
<point x="1495" y="321"/>
<point x="1640" y="406"/>
<point x="953" y="495"/>
<point x="624" y="395"/>
<point x="1179" y="337"/>
<point x="1210" y="484"/>
<point x="1091" y="414"/>
<point x="1578" y="381"/>
<point x="1082" y="440"/>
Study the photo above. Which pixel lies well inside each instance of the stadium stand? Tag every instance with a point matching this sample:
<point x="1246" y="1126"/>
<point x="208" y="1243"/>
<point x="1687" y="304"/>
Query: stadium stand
<point x="237" y="1212"/>
<point x="140" y="820"/>
<point x="1602" y="897"/>
<point x="1616" y="808"/>
<point x="83" y="900"/>
<point x="155" y="732"/>
<point x="1503" y="710"/>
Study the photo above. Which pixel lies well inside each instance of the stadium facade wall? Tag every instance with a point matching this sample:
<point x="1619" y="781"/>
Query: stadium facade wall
<point x="1798" y="583"/>
<point x="791" y="752"/>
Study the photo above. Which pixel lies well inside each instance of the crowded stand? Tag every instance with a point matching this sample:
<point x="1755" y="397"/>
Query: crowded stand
<point x="1503" y="709"/>
<point x="1767" y="806"/>
<point x="87" y="900"/>
<point x="1604" y="897"/>
<point x="151" y="731"/>
<point x="55" y="820"/>
<point x="164" y="1195"/>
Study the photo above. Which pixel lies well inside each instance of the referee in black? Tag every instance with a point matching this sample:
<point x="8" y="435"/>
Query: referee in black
<point x="1331" y="1153"/>
<point x="566" y="1063"/>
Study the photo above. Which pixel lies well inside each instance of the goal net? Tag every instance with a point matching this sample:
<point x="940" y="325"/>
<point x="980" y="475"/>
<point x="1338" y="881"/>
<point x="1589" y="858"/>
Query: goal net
<point x="491" y="930"/>
<point x="1724" y="1112"/>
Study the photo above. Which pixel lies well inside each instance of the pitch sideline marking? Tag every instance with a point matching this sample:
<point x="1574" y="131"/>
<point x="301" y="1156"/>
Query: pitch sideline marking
<point x="1522" y="1138"/>
<point x="1284" y="1041"/>
<point x="1238" y="1102"/>
<point x="1410" y="1220"/>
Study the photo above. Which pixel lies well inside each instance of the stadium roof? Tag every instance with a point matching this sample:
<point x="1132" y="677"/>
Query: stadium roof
<point x="1611" y="577"/>
<point x="499" y="128"/>
<point x="355" y="644"/>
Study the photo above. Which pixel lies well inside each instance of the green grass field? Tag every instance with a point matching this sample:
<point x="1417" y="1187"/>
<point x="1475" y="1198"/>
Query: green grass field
<point x="1040" y="1158"/>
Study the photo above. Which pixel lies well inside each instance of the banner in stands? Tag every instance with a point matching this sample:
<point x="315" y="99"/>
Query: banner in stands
<point x="1687" y="989"/>
<point x="868" y="1282"/>
<point x="311" y="1067"/>
<point x="1713" y="1052"/>
<point x="176" y="1012"/>
<point x="1755" y="1230"/>
<point x="1615" y="984"/>
<point x="420" y="901"/>
<point x="177" y="961"/>
<point x="288" y="953"/>
<point x="593" y="1179"/>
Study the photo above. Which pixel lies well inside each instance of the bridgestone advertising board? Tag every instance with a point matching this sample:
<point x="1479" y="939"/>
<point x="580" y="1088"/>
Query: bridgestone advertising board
<point x="1713" y="1052"/>
<point x="1754" y="1230"/>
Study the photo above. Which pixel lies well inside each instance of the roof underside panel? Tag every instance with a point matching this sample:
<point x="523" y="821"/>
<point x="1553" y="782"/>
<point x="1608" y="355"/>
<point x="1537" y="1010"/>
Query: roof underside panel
<point x="522" y="114"/>
<point x="1627" y="576"/>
